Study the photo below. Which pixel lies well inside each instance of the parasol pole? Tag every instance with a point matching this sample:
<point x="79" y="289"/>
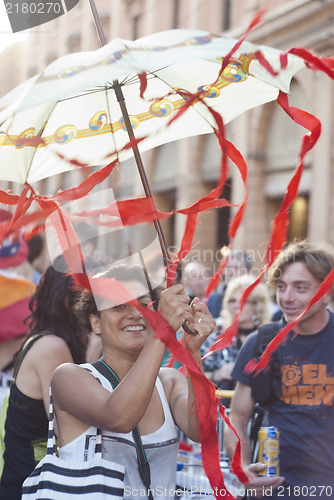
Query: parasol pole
<point x="121" y="100"/>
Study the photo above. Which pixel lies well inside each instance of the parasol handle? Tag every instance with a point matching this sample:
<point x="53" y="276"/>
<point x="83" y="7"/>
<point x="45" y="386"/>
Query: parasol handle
<point x="121" y="100"/>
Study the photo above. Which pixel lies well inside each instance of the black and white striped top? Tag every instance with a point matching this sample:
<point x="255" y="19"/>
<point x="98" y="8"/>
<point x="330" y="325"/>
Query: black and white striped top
<point x="161" y="449"/>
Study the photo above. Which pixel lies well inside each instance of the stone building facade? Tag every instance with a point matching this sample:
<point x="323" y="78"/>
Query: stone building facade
<point x="183" y="171"/>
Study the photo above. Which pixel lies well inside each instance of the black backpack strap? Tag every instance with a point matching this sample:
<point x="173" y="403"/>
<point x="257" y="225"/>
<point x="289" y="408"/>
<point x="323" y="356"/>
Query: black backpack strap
<point x="266" y="384"/>
<point x="256" y="422"/>
<point x="265" y="334"/>
<point x="143" y="465"/>
<point x="262" y="383"/>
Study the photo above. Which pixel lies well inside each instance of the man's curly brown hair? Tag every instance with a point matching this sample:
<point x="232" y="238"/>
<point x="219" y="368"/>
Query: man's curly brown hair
<point x="318" y="258"/>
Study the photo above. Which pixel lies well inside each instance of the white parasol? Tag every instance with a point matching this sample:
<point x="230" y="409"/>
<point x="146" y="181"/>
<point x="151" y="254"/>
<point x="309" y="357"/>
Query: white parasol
<point x="72" y="109"/>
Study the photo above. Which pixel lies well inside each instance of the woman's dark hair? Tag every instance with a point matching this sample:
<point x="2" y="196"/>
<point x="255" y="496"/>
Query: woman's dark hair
<point x="51" y="310"/>
<point x="35" y="246"/>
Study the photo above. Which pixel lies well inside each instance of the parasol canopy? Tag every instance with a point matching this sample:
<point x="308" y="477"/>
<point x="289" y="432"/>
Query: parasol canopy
<point x="71" y="108"/>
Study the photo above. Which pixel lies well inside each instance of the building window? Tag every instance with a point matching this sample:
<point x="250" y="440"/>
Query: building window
<point x="135" y="26"/>
<point x="32" y="71"/>
<point x="281" y="157"/>
<point x="298" y="216"/>
<point x="227" y="15"/>
<point x="166" y="202"/>
<point x="176" y="13"/>
<point x="224" y="215"/>
<point x="74" y="42"/>
<point x="51" y="56"/>
<point x="105" y="21"/>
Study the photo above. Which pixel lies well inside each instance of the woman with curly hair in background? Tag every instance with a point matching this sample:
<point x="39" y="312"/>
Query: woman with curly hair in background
<point x="255" y="312"/>
<point x="54" y="338"/>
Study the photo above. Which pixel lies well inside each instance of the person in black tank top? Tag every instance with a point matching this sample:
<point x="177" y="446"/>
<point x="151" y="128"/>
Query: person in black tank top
<point x="54" y="338"/>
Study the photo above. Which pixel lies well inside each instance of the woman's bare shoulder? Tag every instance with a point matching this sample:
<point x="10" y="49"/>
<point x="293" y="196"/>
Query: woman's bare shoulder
<point x="49" y="341"/>
<point x="69" y="370"/>
<point x="48" y="350"/>
<point x="71" y="373"/>
<point x="72" y="386"/>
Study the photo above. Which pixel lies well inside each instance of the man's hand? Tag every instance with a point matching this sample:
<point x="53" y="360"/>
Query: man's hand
<point x="259" y="485"/>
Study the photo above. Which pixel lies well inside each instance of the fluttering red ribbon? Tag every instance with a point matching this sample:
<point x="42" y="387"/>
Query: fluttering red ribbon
<point x="205" y="398"/>
<point x="281" y="220"/>
<point x="234" y="154"/>
<point x="254" y="22"/>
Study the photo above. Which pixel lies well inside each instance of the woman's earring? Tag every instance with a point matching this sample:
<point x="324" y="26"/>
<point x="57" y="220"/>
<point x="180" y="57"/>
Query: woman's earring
<point x="255" y="320"/>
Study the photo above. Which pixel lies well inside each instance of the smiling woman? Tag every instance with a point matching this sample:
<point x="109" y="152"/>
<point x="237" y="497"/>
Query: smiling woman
<point x="157" y="400"/>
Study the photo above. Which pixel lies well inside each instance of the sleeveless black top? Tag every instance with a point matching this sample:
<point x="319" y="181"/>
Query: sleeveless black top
<point x="26" y="432"/>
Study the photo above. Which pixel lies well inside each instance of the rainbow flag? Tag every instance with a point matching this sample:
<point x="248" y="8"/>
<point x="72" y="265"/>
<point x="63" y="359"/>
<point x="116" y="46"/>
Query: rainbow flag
<point x="15" y="294"/>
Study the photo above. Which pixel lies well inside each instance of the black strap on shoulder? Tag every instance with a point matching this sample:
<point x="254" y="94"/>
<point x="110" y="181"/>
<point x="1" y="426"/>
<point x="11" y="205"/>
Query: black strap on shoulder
<point x="29" y="343"/>
<point x="143" y="465"/>
<point x="262" y="383"/>
<point x="265" y="334"/>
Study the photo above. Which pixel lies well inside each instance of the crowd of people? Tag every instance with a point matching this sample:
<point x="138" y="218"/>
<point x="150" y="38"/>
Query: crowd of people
<point x="52" y="331"/>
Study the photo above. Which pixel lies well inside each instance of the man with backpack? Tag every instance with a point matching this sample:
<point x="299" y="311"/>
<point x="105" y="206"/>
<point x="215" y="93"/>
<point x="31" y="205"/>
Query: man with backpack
<point x="298" y="388"/>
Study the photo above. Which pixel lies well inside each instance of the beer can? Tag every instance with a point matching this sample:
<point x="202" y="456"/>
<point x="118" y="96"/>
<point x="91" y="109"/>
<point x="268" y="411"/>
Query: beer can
<point x="268" y="451"/>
